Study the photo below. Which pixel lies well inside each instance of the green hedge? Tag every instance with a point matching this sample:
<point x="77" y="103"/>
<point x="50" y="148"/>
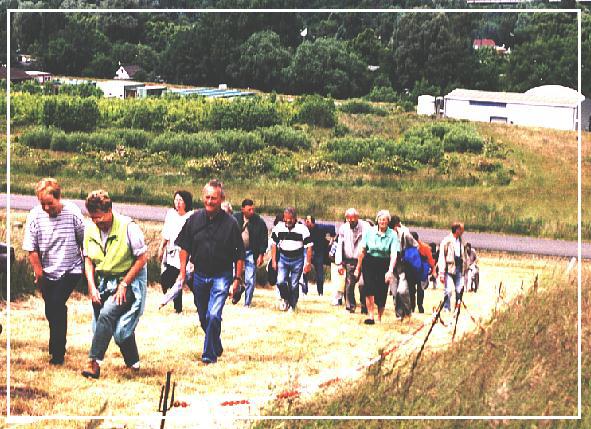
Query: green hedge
<point x="285" y="137"/>
<point x="244" y="114"/>
<point x="357" y="107"/>
<point x="70" y="113"/>
<point x="184" y="144"/>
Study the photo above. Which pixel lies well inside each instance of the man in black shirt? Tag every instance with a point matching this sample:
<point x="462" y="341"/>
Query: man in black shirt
<point x="318" y="233"/>
<point x="212" y="238"/>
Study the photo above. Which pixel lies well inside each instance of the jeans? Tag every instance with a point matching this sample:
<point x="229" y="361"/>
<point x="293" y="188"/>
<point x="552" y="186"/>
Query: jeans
<point x="210" y="294"/>
<point x="289" y="271"/>
<point x="453" y="281"/>
<point x="55" y="294"/>
<point x="167" y="280"/>
<point x="250" y="271"/>
<point x="107" y="315"/>
<point x="318" y="263"/>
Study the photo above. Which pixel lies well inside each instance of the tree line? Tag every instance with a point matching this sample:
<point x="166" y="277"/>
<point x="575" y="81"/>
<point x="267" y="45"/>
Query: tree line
<point x="298" y="53"/>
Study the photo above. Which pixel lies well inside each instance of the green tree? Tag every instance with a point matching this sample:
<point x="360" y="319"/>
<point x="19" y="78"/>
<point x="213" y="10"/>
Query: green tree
<point x="261" y="62"/>
<point x="435" y="47"/>
<point x="328" y="66"/>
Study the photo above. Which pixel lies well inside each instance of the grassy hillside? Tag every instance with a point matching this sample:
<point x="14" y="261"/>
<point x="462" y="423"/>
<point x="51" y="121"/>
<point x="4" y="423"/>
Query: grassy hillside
<point x="525" y="363"/>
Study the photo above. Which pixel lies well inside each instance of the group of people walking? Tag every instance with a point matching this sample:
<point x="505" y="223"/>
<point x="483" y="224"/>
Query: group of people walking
<point x="216" y="254"/>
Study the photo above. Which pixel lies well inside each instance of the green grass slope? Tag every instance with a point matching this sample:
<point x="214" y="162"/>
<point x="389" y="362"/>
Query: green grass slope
<point x="524" y="363"/>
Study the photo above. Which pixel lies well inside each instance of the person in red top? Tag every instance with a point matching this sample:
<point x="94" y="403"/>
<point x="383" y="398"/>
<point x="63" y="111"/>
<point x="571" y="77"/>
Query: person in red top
<point x="425" y="252"/>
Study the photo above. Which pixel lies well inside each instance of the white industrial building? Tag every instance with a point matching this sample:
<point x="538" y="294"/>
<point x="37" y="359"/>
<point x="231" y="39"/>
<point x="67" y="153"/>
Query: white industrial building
<point x="549" y="106"/>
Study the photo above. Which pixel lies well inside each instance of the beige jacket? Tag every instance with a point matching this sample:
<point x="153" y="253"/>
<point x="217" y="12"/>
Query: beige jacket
<point x="446" y="262"/>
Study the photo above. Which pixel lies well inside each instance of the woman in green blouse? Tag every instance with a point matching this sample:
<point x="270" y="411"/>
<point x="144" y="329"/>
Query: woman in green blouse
<point x="377" y="259"/>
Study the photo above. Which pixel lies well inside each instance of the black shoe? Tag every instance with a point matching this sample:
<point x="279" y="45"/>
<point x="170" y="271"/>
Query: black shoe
<point x="421" y="310"/>
<point x="238" y="294"/>
<point x="369" y="322"/>
<point x="363" y="310"/>
<point x="351" y="310"/>
<point x="56" y="360"/>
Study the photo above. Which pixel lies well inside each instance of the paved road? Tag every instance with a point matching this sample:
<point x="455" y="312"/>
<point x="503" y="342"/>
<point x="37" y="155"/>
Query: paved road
<point x="480" y="240"/>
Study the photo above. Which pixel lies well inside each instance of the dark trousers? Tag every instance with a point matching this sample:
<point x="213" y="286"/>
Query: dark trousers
<point x="55" y="294"/>
<point x="350" y="282"/>
<point x="374" y="272"/>
<point x="167" y="279"/>
<point x="417" y="294"/>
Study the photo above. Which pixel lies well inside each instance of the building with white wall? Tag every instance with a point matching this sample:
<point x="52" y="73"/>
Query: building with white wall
<point x="549" y="106"/>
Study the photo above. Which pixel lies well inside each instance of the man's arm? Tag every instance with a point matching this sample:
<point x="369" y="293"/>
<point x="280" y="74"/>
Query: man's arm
<point x="308" y="264"/>
<point x="93" y="292"/>
<point x="138" y="264"/>
<point x="35" y="261"/>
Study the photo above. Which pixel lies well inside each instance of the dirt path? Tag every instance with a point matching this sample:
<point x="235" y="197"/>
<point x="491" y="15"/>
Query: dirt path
<point x="266" y="351"/>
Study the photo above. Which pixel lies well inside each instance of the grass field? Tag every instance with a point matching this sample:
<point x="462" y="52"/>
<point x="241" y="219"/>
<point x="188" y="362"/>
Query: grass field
<point x="266" y="351"/>
<point x="534" y="194"/>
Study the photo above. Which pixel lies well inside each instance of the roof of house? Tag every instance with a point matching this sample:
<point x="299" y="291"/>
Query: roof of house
<point x="15" y="74"/>
<point x="131" y="69"/>
<point x="484" y="42"/>
<point x="548" y="95"/>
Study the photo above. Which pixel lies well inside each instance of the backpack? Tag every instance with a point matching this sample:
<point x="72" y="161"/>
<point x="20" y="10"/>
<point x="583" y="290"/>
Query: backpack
<point x="412" y="260"/>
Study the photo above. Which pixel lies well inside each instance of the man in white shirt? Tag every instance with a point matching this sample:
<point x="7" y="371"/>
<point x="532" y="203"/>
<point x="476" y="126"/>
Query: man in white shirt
<point x="452" y="264"/>
<point x="292" y="239"/>
<point x="53" y="237"/>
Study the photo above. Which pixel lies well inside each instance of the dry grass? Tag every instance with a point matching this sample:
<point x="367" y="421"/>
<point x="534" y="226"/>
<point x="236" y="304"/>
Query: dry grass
<point x="265" y="350"/>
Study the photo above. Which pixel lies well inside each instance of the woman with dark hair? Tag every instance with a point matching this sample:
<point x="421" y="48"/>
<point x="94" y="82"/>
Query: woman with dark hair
<point x="168" y="252"/>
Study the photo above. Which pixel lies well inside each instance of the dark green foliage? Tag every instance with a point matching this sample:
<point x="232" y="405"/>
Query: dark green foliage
<point x="285" y="137"/>
<point x="317" y="111"/>
<point x="138" y="139"/>
<point x="82" y="90"/>
<point x="70" y="113"/>
<point x="244" y="114"/>
<point x="327" y="66"/>
<point x="460" y="139"/>
<point x="382" y="93"/>
<point x="37" y="138"/>
<point x="350" y="150"/>
<point x="362" y="107"/>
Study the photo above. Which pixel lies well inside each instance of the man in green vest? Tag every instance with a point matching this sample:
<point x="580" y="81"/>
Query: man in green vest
<point x="115" y="256"/>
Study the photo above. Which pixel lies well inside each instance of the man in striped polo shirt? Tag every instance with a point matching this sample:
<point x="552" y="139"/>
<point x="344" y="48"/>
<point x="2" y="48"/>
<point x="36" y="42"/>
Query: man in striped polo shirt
<point x="291" y="238"/>
<point x="53" y="237"/>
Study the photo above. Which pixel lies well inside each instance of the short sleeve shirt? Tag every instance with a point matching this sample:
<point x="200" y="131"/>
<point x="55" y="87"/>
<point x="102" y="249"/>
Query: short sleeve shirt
<point x="58" y="239"/>
<point x="214" y="244"/>
<point x="380" y="245"/>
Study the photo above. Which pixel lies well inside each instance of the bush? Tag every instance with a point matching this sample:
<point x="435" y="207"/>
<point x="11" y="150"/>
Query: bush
<point x="61" y="143"/>
<point x="357" y="107"/>
<point x="350" y="150"/>
<point x="187" y="145"/>
<point x="383" y="94"/>
<point x="37" y="138"/>
<point x="460" y="139"/>
<point x="144" y="115"/>
<point x="316" y="111"/>
<point x="239" y="141"/>
<point x="138" y="139"/>
<point x="70" y="113"/>
<point x="82" y="90"/>
<point x="242" y="113"/>
<point x="285" y="137"/>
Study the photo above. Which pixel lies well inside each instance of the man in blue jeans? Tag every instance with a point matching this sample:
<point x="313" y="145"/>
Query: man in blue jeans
<point x="254" y="235"/>
<point x="212" y="238"/>
<point x="292" y="239"/>
<point x="452" y="264"/>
